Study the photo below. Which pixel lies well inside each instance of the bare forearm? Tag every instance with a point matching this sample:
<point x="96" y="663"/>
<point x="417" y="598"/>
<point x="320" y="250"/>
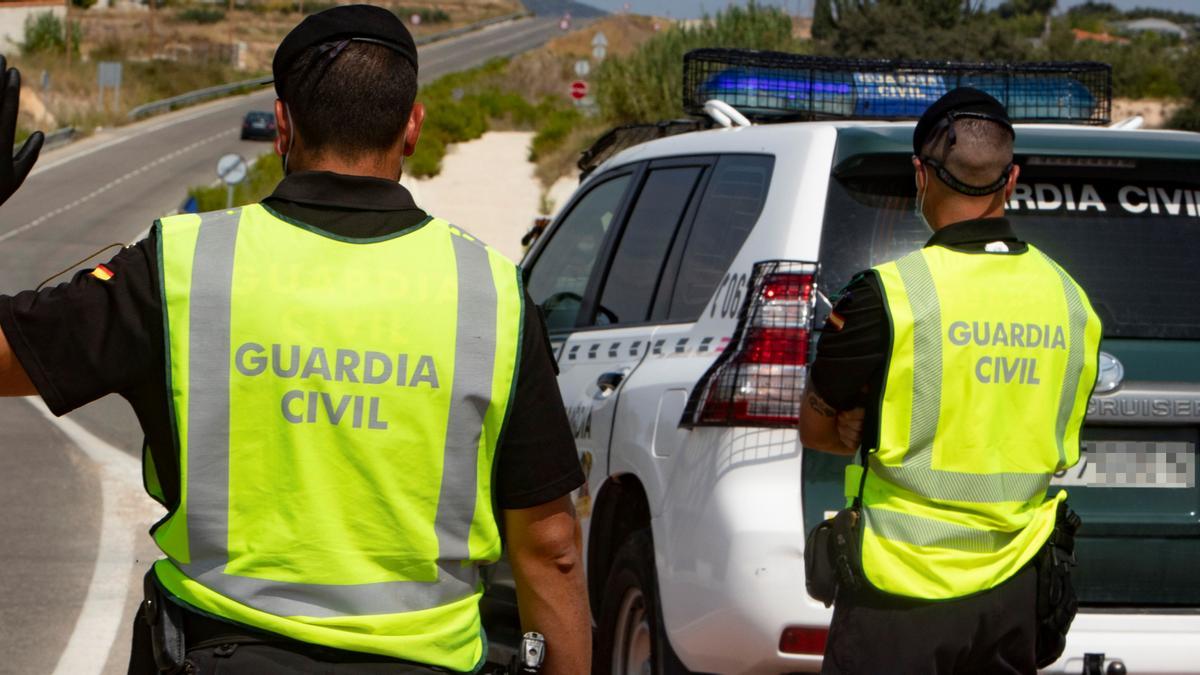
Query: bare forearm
<point x="552" y="598"/>
<point x="13" y="379"/>
<point x="819" y="425"/>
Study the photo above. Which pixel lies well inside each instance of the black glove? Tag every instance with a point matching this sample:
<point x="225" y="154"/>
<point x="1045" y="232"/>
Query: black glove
<point x="13" y="167"/>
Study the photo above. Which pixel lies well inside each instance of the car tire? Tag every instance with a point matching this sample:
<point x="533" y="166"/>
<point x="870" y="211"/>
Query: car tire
<point x="631" y="639"/>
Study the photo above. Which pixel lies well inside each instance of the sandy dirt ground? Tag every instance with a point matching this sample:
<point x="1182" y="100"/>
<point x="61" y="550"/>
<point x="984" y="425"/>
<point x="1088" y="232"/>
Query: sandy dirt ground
<point x="1156" y="111"/>
<point x="487" y="187"/>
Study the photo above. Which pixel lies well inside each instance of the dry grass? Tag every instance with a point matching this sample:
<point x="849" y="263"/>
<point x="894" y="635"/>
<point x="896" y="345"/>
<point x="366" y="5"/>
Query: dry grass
<point x="1156" y="111"/>
<point x="165" y="55"/>
<point x="625" y="33"/>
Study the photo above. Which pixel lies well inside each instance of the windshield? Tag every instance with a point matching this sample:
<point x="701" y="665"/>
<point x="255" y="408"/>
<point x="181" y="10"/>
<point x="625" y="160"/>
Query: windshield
<point x="1127" y="230"/>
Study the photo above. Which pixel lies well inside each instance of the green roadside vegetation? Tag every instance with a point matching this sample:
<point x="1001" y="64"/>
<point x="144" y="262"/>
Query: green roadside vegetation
<point x="645" y="86"/>
<point x="644" y="81"/>
<point x="264" y="174"/>
<point x="461" y="107"/>
<point x="177" y="47"/>
<point x="1145" y="64"/>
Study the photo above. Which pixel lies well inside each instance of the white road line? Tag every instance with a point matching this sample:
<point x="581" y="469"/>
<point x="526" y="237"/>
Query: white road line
<point x="126" y="510"/>
<point x="137" y="131"/>
<point x="40" y="220"/>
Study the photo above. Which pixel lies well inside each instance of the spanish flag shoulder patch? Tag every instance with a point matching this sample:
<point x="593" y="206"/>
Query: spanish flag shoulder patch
<point x="102" y="273"/>
<point x="835" y="321"/>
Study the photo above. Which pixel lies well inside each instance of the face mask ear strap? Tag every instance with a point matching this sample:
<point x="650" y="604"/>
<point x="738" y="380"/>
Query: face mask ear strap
<point x="287" y="109"/>
<point x="965" y="188"/>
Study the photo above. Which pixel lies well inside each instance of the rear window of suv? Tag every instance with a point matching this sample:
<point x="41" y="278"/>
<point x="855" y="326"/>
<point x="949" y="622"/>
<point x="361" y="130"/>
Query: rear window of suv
<point x="1127" y="230"/>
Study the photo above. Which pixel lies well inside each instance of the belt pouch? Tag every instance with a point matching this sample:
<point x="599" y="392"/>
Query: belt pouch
<point x="166" y="626"/>
<point x="1056" y="600"/>
<point x="820" y="576"/>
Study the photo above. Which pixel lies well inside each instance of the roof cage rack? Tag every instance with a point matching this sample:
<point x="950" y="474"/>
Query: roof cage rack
<point x="630" y="135"/>
<point x="775" y="86"/>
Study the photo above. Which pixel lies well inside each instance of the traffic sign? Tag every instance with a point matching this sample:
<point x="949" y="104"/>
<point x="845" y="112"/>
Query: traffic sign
<point x="583" y="67"/>
<point x="579" y="89"/>
<point x="232" y="168"/>
<point x="599" y="47"/>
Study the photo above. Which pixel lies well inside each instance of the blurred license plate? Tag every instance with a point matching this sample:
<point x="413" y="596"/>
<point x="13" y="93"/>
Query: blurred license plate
<point x="1136" y="464"/>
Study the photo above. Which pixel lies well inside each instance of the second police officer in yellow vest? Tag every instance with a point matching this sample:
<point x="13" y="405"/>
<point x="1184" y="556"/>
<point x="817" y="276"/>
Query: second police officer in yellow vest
<point x="343" y="398"/>
<point x="974" y="359"/>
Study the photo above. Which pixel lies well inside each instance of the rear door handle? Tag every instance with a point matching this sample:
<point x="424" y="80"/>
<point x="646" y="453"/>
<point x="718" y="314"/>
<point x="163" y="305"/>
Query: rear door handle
<point x="608" y="382"/>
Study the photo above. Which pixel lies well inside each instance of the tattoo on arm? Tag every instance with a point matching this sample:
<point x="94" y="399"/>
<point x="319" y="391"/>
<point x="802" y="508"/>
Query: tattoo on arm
<point x="816" y="403"/>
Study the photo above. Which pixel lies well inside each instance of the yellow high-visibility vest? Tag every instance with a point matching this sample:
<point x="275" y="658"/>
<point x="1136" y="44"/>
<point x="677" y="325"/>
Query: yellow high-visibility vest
<point x="337" y="404"/>
<point x="993" y="358"/>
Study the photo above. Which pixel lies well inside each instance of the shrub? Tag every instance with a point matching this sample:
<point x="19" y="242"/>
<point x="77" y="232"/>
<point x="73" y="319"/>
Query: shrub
<point x="264" y="175"/>
<point x="427" y="15"/>
<point x="645" y="85"/>
<point x="201" y="14"/>
<point x="1187" y="118"/>
<point x="44" y="33"/>
<point x="554" y="128"/>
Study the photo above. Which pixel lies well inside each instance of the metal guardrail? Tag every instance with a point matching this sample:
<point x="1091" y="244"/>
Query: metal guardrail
<point x="224" y="89"/>
<point x="195" y="96"/>
<point x="58" y="137"/>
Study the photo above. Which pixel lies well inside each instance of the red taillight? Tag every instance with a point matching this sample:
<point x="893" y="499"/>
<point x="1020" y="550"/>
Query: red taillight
<point x="760" y="378"/>
<point x="784" y="346"/>
<point x="802" y="640"/>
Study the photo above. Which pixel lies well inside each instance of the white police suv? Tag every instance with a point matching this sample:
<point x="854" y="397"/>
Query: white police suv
<point x="682" y="289"/>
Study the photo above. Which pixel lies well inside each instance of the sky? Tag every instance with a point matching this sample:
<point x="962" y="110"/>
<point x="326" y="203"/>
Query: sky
<point x="687" y="9"/>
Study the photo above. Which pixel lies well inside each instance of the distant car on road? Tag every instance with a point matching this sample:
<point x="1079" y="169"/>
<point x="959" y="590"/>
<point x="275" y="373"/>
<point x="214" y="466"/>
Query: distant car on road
<point x="258" y="125"/>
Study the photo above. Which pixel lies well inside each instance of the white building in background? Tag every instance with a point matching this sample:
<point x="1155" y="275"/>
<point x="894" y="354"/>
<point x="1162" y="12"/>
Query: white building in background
<point x="1160" y="26"/>
<point x="12" y="19"/>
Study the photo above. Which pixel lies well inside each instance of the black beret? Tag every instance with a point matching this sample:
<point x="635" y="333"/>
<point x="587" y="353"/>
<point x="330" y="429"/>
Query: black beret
<point x="343" y="22"/>
<point x="964" y="102"/>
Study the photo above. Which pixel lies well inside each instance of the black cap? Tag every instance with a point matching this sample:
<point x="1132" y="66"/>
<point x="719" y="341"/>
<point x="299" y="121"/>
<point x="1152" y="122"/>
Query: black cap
<point x="958" y="103"/>
<point x="366" y="23"/>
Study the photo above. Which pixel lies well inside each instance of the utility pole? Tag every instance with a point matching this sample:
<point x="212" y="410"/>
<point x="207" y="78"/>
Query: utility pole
<point x="67" y="31"/>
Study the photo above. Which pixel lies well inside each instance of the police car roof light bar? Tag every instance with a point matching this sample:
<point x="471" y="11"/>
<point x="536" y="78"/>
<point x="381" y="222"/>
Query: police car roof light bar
<point x="776" y="86"/>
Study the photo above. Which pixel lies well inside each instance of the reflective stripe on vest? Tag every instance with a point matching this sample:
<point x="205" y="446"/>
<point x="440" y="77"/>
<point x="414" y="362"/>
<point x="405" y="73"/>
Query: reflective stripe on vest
<point x="485" y="345"/>
<point x="954" y="498"/>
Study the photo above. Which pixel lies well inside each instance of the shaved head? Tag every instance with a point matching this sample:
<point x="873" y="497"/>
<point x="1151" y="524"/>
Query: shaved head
<point x="982" y="150"/>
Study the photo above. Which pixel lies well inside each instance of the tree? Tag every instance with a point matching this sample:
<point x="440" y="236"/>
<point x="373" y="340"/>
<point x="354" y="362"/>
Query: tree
<point x="917" y="29"/>
<point x="823" y="24"/>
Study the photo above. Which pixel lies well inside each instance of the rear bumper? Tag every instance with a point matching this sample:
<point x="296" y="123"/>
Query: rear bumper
<point x="1158" y="644"/>
<point x="729" y="553"/>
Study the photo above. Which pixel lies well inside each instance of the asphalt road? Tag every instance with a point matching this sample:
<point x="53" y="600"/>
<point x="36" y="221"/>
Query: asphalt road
<point x="72" y="519"/>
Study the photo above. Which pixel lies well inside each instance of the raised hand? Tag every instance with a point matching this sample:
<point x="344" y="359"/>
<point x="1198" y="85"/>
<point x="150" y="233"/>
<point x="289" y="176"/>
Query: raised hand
<point x="14" y="167"/>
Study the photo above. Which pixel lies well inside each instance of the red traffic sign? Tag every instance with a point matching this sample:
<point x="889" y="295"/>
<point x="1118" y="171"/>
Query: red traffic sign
<point x="579" y="89"/>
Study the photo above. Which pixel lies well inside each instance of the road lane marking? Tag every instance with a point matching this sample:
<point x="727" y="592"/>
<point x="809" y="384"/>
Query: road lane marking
<point x="136" y="131"/>
<point x="126" y="509"/>
<point x="504" y="39"/>
<point x="40" y="220"/>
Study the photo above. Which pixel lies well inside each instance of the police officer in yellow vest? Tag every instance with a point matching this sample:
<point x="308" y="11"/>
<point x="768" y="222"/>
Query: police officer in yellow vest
<point x="343" y="397"/>
<point x="974" y="358"/>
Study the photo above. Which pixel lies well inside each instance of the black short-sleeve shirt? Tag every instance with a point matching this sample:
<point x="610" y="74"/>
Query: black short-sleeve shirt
<point x="91" y="337"/>
<point x="849" y="367"/>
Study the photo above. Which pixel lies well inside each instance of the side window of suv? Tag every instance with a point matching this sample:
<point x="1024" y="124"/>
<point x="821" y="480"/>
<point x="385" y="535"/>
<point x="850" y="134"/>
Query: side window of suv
<point x="728" y="212"/>
<point x="561" y="271"/>
<point x="637" y="265"/>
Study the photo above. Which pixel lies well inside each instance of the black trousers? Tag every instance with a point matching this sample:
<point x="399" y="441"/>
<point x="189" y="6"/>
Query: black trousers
<point x="229" y="650"/>
<point x="991" y="633"/>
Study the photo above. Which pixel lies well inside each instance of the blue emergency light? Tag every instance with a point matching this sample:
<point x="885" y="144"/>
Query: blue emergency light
<point x="772" y="85"/>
